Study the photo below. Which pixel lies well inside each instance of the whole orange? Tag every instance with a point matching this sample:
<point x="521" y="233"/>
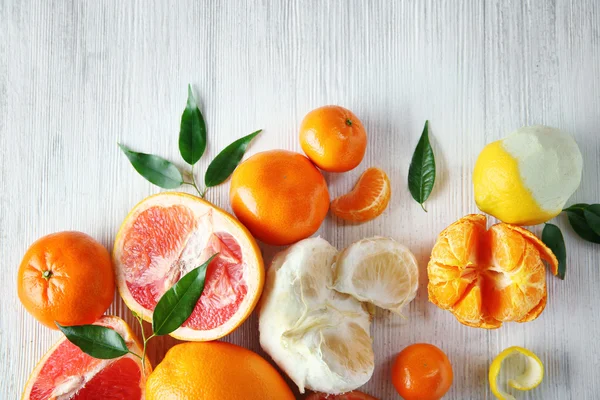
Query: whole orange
<point x="66" y="277"/>
<point x="333" y="138"/>
<point x="279" y="196"/>
<point x="215" y="370"/>
<point x="422" y="372"/>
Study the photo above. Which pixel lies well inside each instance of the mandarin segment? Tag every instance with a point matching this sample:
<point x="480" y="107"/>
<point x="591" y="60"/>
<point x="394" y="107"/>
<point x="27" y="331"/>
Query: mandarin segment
<point x="545" y="252"/>
<point x="458" y="244"/>
<point x="367" y="200"/>
<point x="486" y="278"/>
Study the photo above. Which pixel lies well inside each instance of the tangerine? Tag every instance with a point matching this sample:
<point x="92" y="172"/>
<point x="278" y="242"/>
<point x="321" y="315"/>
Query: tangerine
<point x="279" y="196"/>
<point x="487" y="277"/>
<point x="422" y="371"/>
<point x="66" y="277"/>
<point x="333" y="138"/>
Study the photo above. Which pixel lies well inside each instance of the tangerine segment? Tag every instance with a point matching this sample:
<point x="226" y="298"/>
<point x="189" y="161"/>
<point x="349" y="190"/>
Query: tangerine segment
<point x="488" y="277"/>
<point x="367" y="200"/>
<point x="165" y="237"/>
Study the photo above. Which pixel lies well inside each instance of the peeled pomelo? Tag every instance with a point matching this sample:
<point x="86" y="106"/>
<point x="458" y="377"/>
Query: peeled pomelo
<point x="318" y="336"/>
<point x="167" y="235"/>
<point x="65" y="372"/>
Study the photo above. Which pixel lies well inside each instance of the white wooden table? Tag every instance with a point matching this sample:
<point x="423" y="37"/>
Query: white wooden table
<point x="78" y="77"/>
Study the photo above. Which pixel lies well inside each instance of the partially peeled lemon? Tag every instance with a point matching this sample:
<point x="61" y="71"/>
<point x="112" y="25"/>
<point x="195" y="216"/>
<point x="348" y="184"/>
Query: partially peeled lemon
<point x="527" y="177"/>
<point x="531" y="376"/>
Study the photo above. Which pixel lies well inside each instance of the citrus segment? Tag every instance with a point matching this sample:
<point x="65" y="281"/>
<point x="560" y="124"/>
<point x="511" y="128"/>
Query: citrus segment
<point x="488" y="277"/>
<point x="166" y="236"/>
<point x="68" y="372"/>
<point x="367" y="200"/>
<point x="377" y="270"/>
<point x="117" y="381"/>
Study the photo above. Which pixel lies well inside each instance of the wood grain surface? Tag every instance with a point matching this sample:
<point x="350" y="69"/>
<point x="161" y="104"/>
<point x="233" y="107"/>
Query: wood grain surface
<point x="76" y="77"/>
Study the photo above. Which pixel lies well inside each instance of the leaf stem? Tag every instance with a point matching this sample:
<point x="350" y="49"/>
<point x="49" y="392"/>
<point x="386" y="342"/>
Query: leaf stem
<point x="423" y="207"/>
<point x="201" y="193"/>
<point x="143" y="356"/>
<point x="138" y="356"/>
<point x="144" y="352"/>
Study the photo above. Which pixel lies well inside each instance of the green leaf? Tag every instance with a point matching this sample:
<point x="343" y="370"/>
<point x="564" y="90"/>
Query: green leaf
<point x="227" y="160"/>
<point x="95" y="340"/>
<point x="581" y="227"/>
<point x="553" y="238"/>
<point x="421" y="174"/>
<point x="155" y="169"/>
<point x="192" y="132"/>
<point x="579" y="207"/>
<point x="592" y="217"/>
<point x="177" y="304"/>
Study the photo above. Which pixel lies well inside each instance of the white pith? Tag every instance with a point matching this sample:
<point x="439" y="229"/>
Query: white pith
<point x="550" y="163"/>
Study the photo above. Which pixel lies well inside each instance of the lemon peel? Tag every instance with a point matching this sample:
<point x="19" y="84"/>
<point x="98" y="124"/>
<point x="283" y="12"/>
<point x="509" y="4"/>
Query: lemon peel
<point x="531" y="377"/>
<point x="527" y="177"/>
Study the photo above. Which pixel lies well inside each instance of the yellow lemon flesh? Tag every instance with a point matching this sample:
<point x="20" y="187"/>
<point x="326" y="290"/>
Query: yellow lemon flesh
<point x="531" y="377"/>
<point x="526" y="178"/>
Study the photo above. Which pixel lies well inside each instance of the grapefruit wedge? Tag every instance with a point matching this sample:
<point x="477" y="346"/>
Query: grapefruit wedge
<point x="65" y="372"/>
<point x="167" y="235"/>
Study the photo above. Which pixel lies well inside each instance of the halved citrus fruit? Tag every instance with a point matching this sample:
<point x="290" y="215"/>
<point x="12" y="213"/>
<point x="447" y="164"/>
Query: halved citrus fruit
<point x="487" y="277"/>
<point x="167" y="235"/>
<point x="367" y="200"/>
<point x="65" y="372"/>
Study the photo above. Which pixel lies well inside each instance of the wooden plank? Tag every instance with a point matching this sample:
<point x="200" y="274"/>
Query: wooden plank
<point x="78" y="77"/>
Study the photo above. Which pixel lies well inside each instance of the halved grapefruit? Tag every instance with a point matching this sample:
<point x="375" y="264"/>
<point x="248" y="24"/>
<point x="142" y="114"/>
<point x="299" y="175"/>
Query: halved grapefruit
<point x="65" y="372"/>
<point x="167" y="235"/>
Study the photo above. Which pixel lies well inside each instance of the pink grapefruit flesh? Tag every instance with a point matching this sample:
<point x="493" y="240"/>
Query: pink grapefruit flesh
<point x="67" y="372"/>
<point x="166" y="236"/>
